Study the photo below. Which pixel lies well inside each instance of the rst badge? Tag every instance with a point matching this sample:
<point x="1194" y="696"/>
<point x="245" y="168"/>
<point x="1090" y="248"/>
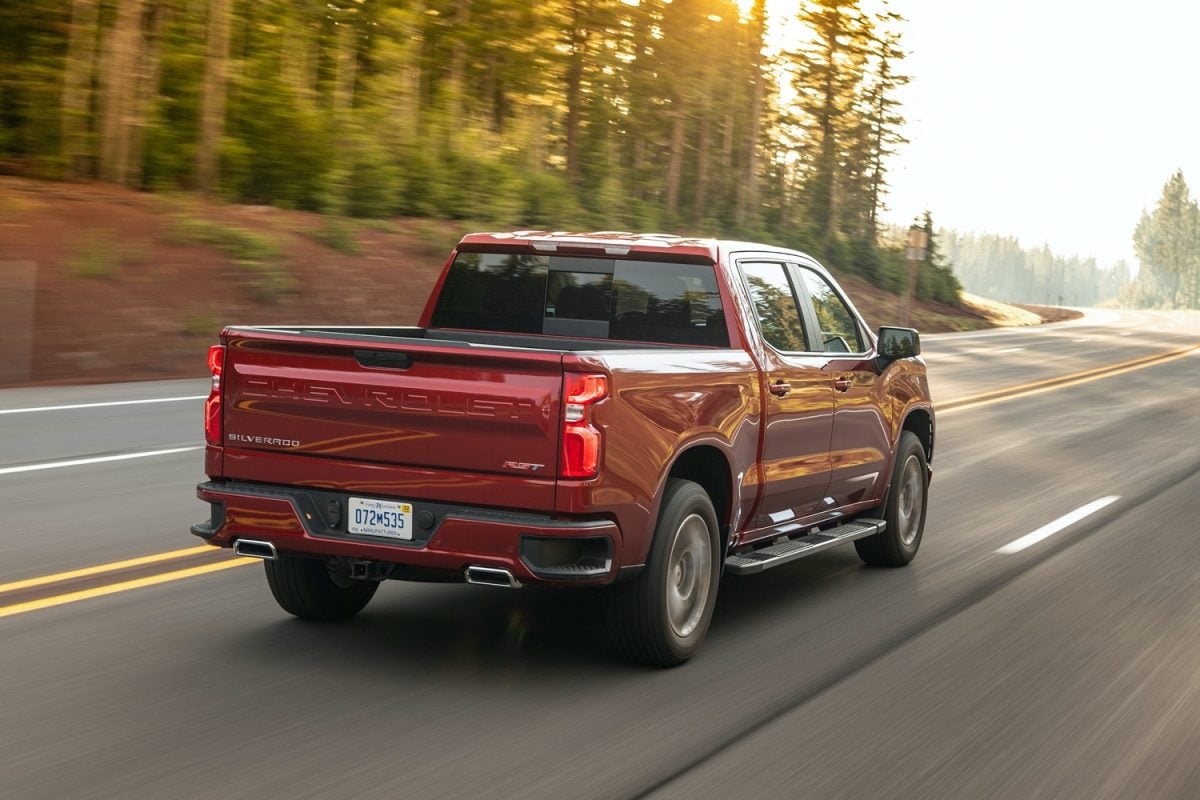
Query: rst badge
<point x="522" y="466"/>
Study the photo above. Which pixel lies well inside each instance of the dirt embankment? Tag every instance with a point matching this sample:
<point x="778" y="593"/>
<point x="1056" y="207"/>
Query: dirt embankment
<point x="100" y="283"/>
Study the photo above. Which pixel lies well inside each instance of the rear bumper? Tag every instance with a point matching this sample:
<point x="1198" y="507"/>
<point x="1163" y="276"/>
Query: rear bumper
<point x="446" y="538"/>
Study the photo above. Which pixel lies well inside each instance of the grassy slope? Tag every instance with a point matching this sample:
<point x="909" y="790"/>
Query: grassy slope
<point x="130" y="285"/>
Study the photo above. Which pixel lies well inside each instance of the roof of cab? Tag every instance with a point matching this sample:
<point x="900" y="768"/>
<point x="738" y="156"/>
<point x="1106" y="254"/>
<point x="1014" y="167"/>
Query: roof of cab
<point x="614" y="243"/>
<point x="620" y="243"/>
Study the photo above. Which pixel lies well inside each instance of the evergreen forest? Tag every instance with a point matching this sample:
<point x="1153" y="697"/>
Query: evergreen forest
<point x="682" y="116"/>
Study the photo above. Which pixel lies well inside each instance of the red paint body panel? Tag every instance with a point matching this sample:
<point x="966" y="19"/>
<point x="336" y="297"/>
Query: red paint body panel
<point x="422" y="415"/>
<point x="454" y="409"/>
<point x="660" y="405"/>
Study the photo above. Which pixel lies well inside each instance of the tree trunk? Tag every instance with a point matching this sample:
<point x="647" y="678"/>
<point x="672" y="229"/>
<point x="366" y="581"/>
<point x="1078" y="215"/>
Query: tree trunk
<point x="727" y="145"/>
<point x="415" y="112"/>
<point x="823" y="186"/>
<point x="347" y="71"/>
<point x="145" y="94"/>
<point x="343" y="110"/>
<point x="578" y="44"/>
<point x="747" y="207"/>
<point x="77" y="87"/>
<point x="700" y="199"/>
<point x="675" y="163"/>
<point x="216" y="79"/>
<point x="535" y="121"/>
<point x="297" y="57"/>
<point x="117" y="89"/>
<point x="457" y="80"/>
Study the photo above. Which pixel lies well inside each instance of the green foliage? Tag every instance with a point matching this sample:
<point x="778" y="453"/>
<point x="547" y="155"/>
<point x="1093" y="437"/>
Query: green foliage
<point x="935" y="278"/>
<point x="938" y="284"/>
<point x="375" y="181"/>
<point x="547" y="201"/>
<point x="479" y="187"/>
<point x="201" y="323"/>
<point x="891" y="276"/>
<point x="377" y="225"/>
<point x="1167" y="243"/>
<point x="257" y="256"/>
<point x="337" y="235"/>
<point x="32" y="52"/>
<point x="565" y="115"/>
<point x="101" y="254"/>
<point x="431" y="237"/>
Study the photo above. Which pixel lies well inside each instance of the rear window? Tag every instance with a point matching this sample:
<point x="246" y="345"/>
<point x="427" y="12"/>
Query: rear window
<point x="594" y="298"/>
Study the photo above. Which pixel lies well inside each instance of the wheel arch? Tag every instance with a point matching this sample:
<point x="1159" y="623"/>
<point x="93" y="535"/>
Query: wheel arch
<point x="708" y="465"/>
<point x="919" y="421"/>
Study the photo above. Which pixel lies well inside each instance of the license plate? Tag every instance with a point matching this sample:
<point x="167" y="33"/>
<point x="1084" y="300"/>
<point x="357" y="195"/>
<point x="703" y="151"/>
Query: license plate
<point x="380" y="518"/>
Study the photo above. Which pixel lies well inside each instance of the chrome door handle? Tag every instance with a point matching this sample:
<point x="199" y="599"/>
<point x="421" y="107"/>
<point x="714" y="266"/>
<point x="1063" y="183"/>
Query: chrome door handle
<point x="780" y="389"/>
<point x="842" y="384"/>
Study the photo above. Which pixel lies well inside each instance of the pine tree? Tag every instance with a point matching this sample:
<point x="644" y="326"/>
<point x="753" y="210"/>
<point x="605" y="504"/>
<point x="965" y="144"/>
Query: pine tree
<point x="883" y="121"/>
<point x="828" y="74"/>
<point x="1167" y="243"/>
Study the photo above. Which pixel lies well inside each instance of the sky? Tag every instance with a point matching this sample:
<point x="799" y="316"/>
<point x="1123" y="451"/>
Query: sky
<point x="1056" y="122"/>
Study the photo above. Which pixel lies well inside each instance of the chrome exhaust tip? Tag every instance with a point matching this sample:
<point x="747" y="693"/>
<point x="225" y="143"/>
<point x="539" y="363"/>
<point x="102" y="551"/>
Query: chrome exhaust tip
<point x="253" y="548"/>
<point x="490" y="576"/>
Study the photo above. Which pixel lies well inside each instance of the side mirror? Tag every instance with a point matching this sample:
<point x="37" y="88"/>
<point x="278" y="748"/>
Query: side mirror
<point x="897" y="343"/>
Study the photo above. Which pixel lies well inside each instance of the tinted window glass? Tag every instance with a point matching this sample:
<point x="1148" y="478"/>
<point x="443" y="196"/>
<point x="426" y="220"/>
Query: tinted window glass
<point x="596" y="298"/>
<point x="493" y="292"/>
<point x="673" y="303"/>
<point x="839" y="331"/>
<point x="778" y="318"/>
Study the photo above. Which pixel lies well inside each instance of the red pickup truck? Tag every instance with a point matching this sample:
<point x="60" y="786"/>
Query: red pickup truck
<point x="639" y="412"/>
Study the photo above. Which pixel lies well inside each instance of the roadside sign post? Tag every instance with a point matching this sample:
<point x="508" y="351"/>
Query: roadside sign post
<point x="918" y="241"/>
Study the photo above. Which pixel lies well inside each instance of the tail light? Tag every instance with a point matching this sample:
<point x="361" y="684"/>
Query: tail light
<point x="580" y="440"/>
<point x="212" y="406"/>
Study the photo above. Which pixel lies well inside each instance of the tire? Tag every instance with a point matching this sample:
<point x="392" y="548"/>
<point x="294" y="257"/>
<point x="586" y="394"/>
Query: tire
<point x="660" y="618"/>
<point x="904" y="509"/>
<point x="305" y="587"/>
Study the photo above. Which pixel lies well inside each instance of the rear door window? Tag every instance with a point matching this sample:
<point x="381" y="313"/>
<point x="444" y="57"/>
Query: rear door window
<point x="595" y="298"/>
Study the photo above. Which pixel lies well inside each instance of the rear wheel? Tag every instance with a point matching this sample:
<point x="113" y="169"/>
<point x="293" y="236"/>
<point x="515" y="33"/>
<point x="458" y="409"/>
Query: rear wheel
<point x="661" y="617"/>
<point x="904" y="510"/>
<point x="309" y="589"/>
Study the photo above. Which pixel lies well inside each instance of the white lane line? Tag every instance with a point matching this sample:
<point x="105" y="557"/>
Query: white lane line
<point x="81" y="462"/>
<point x="1065" y="521"/>
<point x="101" y="405"/>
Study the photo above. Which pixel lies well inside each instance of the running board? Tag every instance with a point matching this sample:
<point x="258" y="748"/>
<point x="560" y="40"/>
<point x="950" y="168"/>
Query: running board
<point x="753" y="561"/>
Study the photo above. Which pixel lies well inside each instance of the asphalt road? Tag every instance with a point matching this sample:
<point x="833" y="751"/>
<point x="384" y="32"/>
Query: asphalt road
<point x="1069" y="668"/>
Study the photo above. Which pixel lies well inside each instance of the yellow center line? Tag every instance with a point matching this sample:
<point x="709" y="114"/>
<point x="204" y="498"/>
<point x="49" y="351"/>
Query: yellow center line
<point x="100" y="569"/>
<point x="1060" y="382"/>
<point x="124" y="586"/>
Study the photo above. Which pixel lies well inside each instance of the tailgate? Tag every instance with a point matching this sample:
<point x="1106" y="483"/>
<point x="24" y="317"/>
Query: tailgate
<point x="409" y="403"/>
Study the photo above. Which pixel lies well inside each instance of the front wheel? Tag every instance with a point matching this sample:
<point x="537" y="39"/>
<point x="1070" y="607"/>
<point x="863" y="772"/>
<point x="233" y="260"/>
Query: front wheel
<point x="904" y="510"/>
<point x="661" y="617"/>
<point x="308" y="589"/>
